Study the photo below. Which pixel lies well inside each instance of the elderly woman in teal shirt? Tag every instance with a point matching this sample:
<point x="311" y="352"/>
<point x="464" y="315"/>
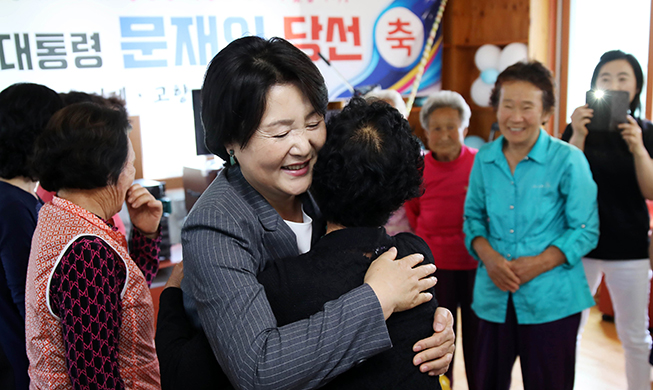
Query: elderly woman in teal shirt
<point x="530" y="215"/>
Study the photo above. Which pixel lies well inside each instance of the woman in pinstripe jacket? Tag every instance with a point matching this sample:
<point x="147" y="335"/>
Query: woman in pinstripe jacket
<point x="263" y="106"/>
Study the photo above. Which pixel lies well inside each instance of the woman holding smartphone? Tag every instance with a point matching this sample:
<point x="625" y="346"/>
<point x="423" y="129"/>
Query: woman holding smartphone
<point x="622" y="167"/>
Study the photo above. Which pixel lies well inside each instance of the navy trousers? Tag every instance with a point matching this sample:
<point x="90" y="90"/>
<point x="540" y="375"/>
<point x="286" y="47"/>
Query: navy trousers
<point x="547" y="353"/>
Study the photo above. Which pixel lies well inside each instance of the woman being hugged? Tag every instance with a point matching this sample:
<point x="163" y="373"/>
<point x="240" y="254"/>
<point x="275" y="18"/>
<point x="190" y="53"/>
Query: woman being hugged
<point x="89" y="313"/>
<point x="623" y="170"/>
<point x="530" y="214"/>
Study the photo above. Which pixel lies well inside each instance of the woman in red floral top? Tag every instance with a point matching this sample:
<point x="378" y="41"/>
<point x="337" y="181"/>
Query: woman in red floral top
<point x="88" y="308"/>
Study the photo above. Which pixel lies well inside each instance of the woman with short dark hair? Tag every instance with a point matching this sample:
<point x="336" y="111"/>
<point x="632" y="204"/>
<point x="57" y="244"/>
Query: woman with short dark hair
<point x="622" y="167"/>
<point x="90" y="319"/>
<point x="90" y="145"/>
<point x="530" y="215"/>
<point x="24" y="112"/>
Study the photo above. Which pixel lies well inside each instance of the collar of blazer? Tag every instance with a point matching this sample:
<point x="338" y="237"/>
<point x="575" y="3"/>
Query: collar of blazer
<point x="270" y="220"/>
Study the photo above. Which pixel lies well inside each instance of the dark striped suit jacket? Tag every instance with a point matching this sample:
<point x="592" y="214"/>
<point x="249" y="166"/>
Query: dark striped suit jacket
<point x="228" y="237"/>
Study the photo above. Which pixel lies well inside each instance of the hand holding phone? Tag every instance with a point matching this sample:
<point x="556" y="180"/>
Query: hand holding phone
<point x="632" y="134"/>
<point x="610" y="109"/>
<point x="580" y="118"/>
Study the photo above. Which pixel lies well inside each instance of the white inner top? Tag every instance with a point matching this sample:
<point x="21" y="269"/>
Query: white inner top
<point x="303" y="231"/>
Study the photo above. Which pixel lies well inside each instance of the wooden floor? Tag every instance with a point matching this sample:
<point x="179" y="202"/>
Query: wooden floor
<point x="600" y="364"/>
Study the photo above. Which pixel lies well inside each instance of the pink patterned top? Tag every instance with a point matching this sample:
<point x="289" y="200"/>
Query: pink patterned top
<point x="85" y="293"/>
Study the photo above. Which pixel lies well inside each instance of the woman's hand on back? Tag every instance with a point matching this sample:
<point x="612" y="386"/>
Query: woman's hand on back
<point x="434" y="354"/>
<point x="400" y="284"/>
<point x="144" y="210"/>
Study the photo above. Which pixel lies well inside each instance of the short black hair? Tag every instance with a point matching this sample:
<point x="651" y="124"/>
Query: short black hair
<point x="24" y="112"/>
<point x="237" y="81"/>
<point x="84" y="146"/>
<point x="533" y="72"/>
<point x="370" y="164"/>
<point x="613" y="55"/>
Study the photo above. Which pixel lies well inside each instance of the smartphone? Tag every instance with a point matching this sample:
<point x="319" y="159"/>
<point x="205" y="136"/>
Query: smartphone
<point x="610" y="109"/>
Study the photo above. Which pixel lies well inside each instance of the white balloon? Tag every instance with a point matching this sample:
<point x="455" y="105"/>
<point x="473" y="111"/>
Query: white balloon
<point x="481" y="92"/>
<point x="512" y="54"/>
<point x="487" y="56"/>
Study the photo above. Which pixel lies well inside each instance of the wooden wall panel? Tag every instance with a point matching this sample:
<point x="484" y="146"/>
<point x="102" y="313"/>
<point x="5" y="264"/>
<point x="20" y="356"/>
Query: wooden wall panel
<point x="469" y="24"/>
<point x="564" y="66"/>
<point x="476" y="22"/>
<point x="542" y="32"/>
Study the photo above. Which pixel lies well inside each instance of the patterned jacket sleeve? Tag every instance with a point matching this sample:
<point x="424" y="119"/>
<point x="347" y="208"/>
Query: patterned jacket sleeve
<point x="145" y="253"/>
<point x="85" y="294"/>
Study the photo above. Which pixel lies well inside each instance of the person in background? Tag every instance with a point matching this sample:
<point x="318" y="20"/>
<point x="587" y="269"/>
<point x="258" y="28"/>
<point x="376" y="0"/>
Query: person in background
<point x="437" y="215"/>
<point x="89" y="312"/>
<point x="623" y="170"/>
<point x="263" y="106"/>
<point x="398" y="222"/>
<point x="73" y="97"/>
<point x="530" y="215"/>
<point x="24" y="112"/>
<point x="390" y="96"/>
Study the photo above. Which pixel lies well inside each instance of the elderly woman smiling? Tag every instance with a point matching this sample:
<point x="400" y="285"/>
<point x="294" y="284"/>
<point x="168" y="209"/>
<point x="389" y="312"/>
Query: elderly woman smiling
<point x="89" y="313"/>
<point x="530" y="215"/>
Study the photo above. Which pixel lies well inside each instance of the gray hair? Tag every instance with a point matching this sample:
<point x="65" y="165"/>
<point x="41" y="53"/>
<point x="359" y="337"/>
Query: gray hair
<point x="442" y="99"/>
<point x="388" y="95"/>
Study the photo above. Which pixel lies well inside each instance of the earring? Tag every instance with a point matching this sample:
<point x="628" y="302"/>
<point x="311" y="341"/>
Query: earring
<point x="232" y="158"/>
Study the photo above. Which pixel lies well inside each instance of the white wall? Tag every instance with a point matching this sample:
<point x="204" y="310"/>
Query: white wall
<point x="597" y="26"/>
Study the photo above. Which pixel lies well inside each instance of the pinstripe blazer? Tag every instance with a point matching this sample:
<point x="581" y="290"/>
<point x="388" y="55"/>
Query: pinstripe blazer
<point x="229" y="236"/>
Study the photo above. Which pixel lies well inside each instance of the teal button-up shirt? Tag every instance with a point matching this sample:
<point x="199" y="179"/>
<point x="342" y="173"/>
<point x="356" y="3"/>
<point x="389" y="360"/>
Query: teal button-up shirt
<point x="550" y="200"/>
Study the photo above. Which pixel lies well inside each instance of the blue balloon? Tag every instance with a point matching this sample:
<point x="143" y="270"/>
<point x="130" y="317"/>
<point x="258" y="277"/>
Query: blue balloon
<point x="489" y="76"/>
<point x="474" y="141"/>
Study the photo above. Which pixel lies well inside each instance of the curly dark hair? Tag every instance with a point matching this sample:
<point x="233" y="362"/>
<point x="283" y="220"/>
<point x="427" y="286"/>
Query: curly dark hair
<point x="24" y="112"/>
<point x="533" y="72"/>
<point x="234" y="93"/>
<point x="84" y="146"/>
<point x="369" y="166"/>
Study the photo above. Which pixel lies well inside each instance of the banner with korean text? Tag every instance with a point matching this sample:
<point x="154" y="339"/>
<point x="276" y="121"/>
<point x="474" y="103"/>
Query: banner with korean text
<point x="153" y="53"/>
